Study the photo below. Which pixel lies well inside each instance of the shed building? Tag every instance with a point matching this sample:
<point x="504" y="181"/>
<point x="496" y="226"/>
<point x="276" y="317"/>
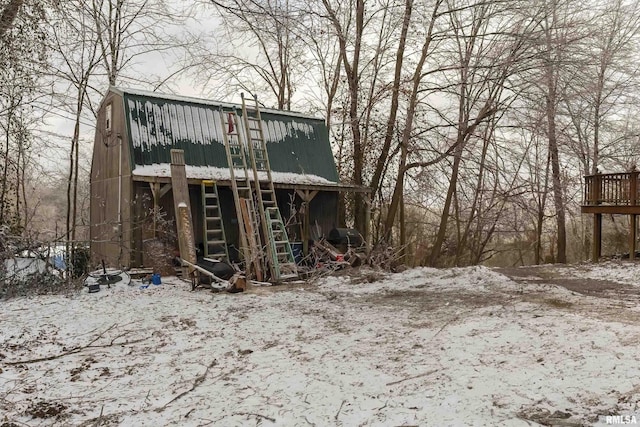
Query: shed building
<point x="131" y="196"/>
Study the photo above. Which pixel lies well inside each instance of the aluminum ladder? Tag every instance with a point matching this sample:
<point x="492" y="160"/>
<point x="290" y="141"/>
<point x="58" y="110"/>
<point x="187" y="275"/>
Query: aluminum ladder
<point x="215" y="241"/>
<point x="242" y="194"/>
<point x="282" y="264"/>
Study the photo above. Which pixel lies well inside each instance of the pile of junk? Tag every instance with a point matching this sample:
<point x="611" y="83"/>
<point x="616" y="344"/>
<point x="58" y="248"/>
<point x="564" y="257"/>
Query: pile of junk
<point x="341" y="248"/>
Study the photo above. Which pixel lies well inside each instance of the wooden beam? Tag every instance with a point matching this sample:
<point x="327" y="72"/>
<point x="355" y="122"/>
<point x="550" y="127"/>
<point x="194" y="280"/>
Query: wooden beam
<point x="604" y="209"/>
<point x="157" y="192"/>
<point x="596" y="247"/>
<point x="367" y="223"/>
<point x="184" y="222"/>
<point x="164" y="190"/>
<point x="633" y="230"/>
<point x="341" y="188"/>
<point x="306" y="196"/>
<point x="155" y="189"/>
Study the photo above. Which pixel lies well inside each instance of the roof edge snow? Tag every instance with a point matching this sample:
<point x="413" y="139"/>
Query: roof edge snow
<point x="194" y="100"/>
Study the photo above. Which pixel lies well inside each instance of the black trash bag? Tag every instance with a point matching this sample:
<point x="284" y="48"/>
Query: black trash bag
<point x="220" y="269"/>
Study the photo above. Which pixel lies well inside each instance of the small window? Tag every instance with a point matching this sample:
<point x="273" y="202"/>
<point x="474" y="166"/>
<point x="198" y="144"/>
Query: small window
<point x="108" y="119"/>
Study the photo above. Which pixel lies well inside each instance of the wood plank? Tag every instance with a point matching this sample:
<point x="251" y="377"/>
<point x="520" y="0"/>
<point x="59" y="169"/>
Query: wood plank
<point x="341" y="188"/>
<point x="306" y="196"/>
<point x="182" y="205"/>
<point x="633" y="227"/>
<point x="597" y="238"/>
<point x="609" y="209"/>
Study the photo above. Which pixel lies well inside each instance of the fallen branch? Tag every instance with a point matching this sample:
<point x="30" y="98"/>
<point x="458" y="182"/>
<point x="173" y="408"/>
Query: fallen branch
<point x="99" y="420"/>
<point x="273" y="420"/>
<point x="413" y="377"/>
<point x="444" y="326"/>
<point x="199" y="380"/>
<point x="80" y="348"/>
<point x="339" y="409"/>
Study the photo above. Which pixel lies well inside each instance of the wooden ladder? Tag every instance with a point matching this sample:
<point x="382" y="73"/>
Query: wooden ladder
<point x="280" y="257"/>
<point x="242" y="194"/>
<point x="215" y="241"/>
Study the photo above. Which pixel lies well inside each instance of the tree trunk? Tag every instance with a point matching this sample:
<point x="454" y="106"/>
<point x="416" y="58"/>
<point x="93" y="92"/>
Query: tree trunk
<point x="558" y="196"/>
<point x="395" y="94"/>
<point x="5" y="171"/>
<point x="444" y="218"/>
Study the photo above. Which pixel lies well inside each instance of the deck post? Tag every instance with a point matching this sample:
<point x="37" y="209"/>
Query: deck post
<point x="306" y="196"/>
<point x="597" y="237"/>
<point x="633" y="227"/>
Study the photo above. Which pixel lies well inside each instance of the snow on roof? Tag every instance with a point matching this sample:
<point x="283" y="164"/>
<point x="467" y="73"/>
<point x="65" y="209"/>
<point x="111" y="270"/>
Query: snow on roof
<point x="224" y="174"/>
<point x="155" y="123"/>
<point x="191" y="99"/>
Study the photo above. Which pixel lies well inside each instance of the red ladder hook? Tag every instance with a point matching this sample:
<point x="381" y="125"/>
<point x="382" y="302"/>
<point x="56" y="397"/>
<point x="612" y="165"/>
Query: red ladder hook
<point x="230" y="121"/>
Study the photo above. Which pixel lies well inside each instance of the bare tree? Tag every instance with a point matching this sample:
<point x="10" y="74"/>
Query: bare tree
<point x="262" y="48"/>
<point x="559" y="26"/>
<point x="8" y="15"/>
<point x="602" y="86"/>
<point x="23" y="58"/>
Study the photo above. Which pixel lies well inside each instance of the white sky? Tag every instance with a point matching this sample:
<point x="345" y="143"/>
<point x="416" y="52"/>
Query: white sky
<point x="57" y="130"/>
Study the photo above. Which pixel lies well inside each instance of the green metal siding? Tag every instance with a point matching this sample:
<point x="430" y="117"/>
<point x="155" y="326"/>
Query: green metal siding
<point x="155" y="125"/>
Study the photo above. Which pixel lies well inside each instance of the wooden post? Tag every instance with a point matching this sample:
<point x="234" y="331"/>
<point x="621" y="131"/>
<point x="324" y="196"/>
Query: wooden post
<point x="306" y="197"/>
<point x="185" y="233"/>
<point x="184" y="222"/>
<point x="633" y="226"/>
<point x="367" y="222"/>
<point x="597" y="237"/>
<point x="596" y="189"/>
<point x="155" y="189"/>
<point x="157" y="194"/>
<point x="632" y="236"/>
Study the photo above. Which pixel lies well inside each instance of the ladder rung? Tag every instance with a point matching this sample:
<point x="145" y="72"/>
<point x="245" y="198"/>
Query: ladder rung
<point x="216" y="242"/>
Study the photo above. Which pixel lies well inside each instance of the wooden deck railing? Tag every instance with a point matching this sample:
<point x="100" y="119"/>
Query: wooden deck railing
<point x="612" y="189"/>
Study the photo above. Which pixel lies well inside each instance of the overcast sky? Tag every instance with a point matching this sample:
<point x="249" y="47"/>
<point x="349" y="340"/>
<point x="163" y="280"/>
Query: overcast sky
<point x="58" y="128"/>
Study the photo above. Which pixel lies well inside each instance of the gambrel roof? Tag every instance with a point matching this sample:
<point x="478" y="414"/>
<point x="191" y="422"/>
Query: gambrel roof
<point x="298" y="145"/>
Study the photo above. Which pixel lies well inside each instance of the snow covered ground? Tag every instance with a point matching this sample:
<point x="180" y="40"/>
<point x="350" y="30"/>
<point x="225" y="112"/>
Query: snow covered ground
<point x="427" y="347"/>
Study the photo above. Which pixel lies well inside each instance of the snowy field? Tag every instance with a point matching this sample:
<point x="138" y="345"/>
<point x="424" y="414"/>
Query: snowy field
<point x="470" y="346"/>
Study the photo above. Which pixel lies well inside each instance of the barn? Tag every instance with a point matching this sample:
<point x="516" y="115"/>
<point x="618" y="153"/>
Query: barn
<point x="131" y="186"/>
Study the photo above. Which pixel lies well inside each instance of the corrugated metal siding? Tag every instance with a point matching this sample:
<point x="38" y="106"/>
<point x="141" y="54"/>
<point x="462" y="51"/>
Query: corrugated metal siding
<point x="156" y="125"/>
